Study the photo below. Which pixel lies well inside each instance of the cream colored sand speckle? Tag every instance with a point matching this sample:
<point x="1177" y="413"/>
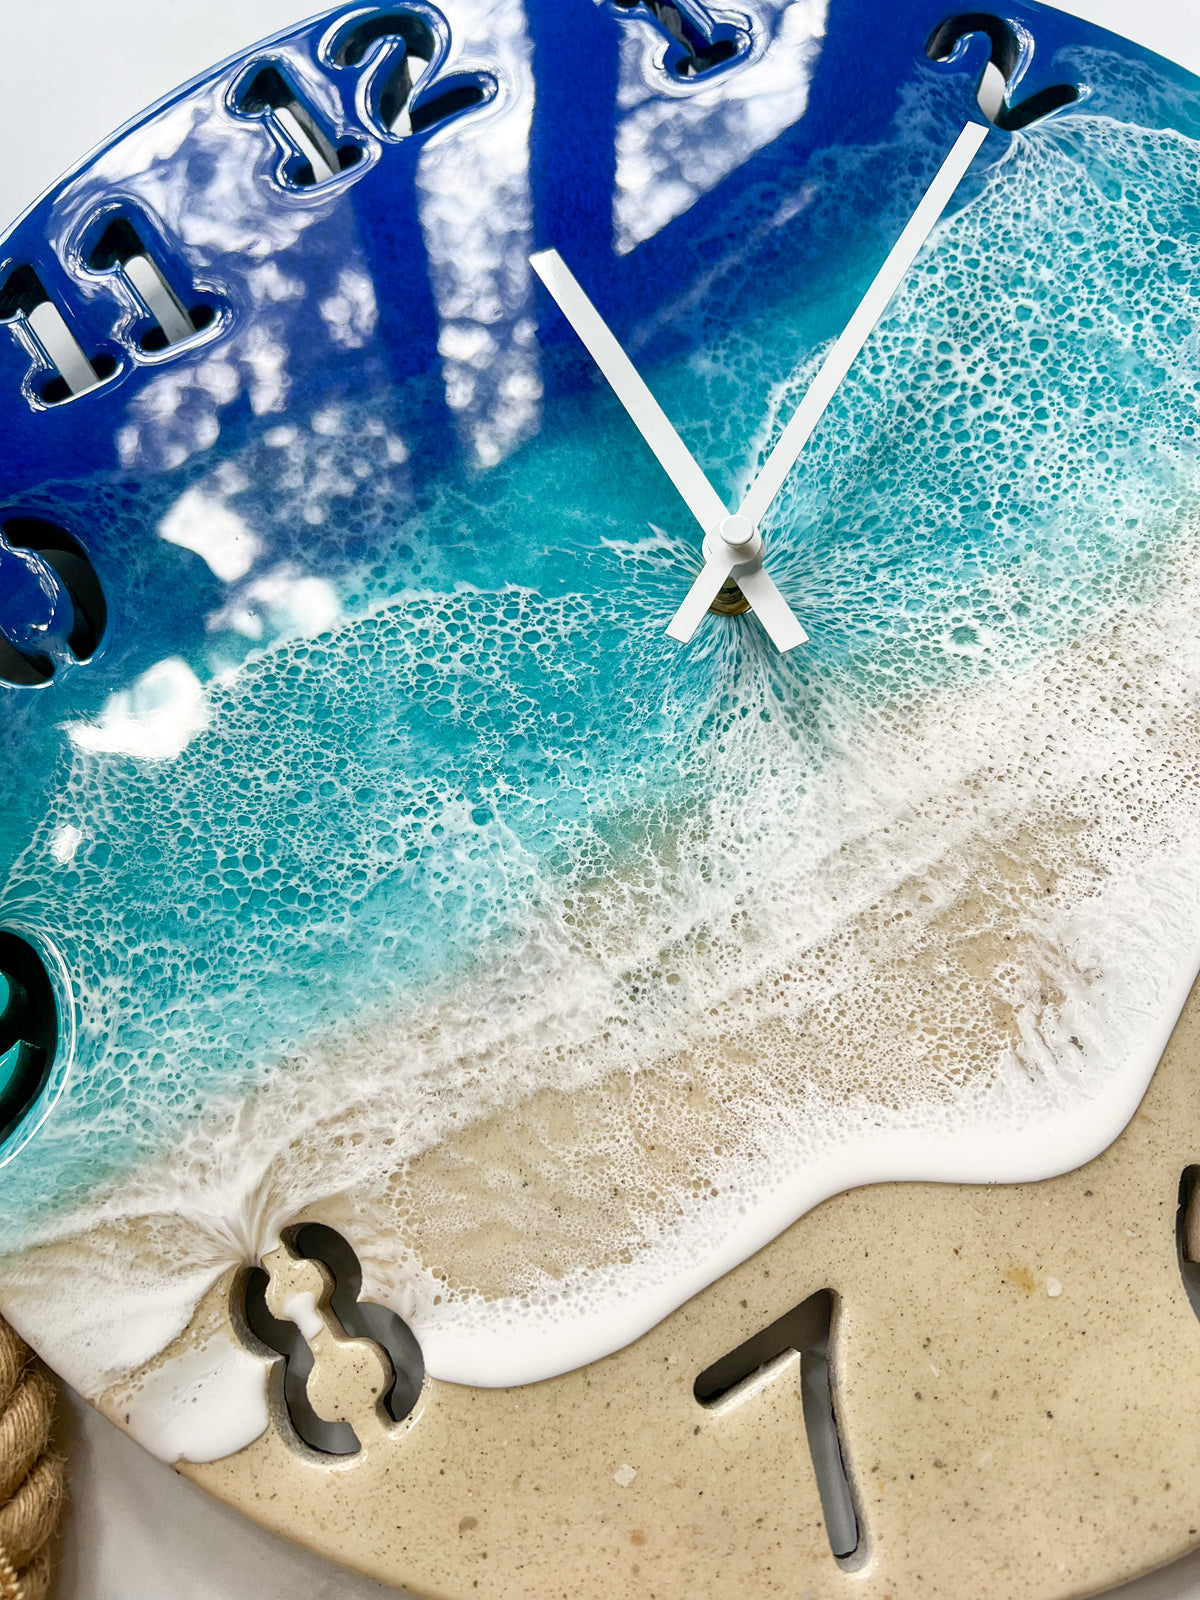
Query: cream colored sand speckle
<point x="1059" y="1425"/>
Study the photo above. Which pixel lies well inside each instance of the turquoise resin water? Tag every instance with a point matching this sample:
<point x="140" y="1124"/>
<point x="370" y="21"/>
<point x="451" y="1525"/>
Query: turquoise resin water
<point x="354" y="825"/>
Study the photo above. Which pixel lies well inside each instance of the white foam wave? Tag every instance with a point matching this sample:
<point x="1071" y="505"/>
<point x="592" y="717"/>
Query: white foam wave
<point x="1026" y="1063"/>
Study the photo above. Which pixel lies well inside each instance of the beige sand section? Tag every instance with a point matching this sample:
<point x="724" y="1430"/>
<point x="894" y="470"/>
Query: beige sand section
<point x="1018" y="1383"/>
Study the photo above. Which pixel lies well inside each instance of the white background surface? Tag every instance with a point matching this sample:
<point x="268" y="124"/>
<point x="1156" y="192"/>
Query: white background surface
<point x="70" y="72"/>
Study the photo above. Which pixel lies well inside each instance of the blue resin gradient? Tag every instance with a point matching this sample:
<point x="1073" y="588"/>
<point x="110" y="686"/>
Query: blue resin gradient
<point x="496" y="721"/>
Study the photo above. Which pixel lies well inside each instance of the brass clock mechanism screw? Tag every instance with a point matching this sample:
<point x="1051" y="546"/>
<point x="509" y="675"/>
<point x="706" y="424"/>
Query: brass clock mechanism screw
<point x="729" y="601"/>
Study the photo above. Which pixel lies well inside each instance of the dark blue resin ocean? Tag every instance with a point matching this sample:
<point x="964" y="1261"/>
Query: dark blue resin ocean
<point x="336" y="688"/>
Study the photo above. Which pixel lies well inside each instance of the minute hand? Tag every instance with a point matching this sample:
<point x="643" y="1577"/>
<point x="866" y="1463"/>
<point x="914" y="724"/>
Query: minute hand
<point x="874" y="303"/>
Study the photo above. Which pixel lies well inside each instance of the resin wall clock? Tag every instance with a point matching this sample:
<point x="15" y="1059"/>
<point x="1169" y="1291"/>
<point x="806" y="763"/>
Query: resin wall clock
<point x="598" y="617"/>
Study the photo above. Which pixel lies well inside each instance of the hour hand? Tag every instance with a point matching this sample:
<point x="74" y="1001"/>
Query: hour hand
<point x="732" y="545"/>
<point x="630" y="388"/>
<point x="734" y="550"/>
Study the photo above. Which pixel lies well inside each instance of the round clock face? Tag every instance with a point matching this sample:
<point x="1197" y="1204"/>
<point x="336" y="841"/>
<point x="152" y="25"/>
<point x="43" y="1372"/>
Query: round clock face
<point x="370" y="851"/>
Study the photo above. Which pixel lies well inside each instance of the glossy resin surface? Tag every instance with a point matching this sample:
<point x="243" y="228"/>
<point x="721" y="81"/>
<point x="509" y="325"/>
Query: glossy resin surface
<point x="368" y="851"/>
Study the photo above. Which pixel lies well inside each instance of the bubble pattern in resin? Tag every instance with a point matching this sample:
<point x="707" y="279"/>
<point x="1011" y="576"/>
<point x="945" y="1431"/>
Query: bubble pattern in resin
<point x="399" y="870"/>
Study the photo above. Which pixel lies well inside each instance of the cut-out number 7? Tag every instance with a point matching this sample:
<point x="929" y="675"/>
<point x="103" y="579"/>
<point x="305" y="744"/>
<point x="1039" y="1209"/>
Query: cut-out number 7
<point x="805" y="1331"/>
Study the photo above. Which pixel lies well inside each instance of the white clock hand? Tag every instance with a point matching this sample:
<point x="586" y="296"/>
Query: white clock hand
<point x="721" y="563"/>
<point x="738" y="548"/>
<point x="874" y="303"/>
<point x="676" y="460"/>
<point x="734" y="549"/>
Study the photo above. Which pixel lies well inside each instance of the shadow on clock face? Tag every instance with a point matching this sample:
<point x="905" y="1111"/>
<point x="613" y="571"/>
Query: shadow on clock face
<point x="389" y="845"/>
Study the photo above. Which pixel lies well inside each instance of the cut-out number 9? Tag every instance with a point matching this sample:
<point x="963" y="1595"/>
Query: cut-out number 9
<point x="28" y="1030"/>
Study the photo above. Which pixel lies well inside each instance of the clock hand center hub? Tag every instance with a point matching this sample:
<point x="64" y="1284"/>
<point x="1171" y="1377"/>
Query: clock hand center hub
<point x="741" y="536"/>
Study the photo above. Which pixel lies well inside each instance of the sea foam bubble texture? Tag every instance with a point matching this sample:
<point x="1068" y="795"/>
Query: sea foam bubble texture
<point x="560" y="967"/>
